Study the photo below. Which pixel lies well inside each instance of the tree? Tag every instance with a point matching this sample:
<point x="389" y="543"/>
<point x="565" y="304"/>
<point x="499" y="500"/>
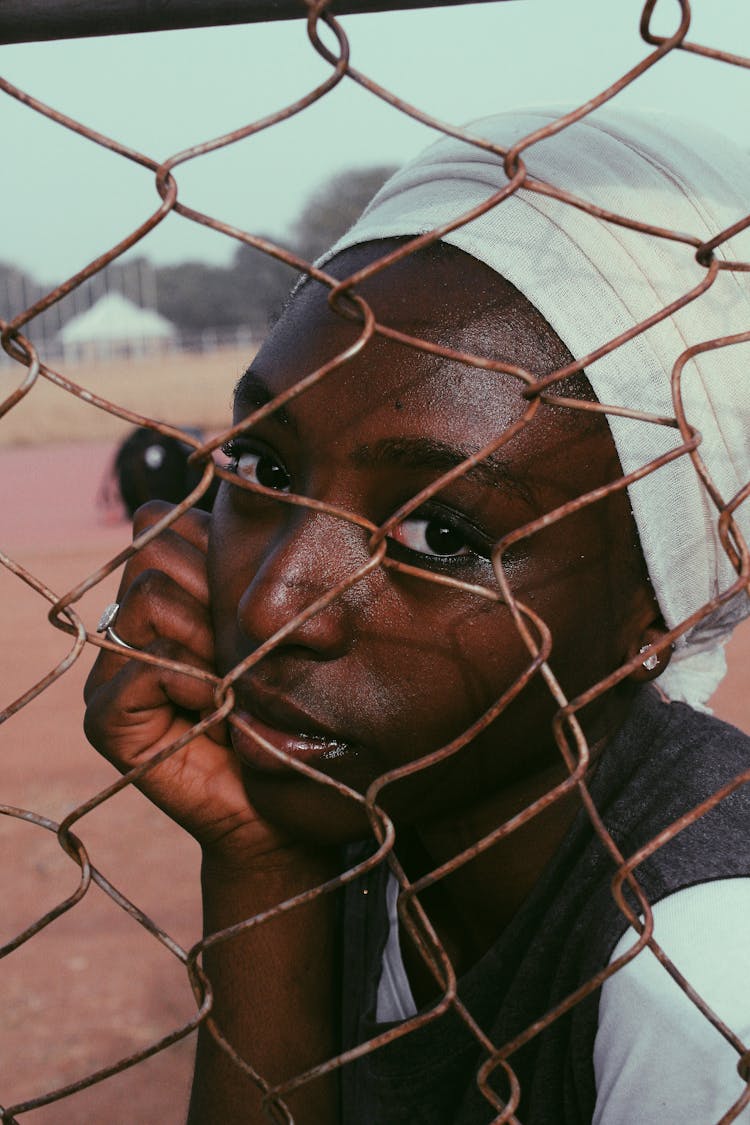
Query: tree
<point x="251" y="292"/>
<point x="197" y="297"/>
<point x="334" y="207"/>
<point x="261" y="285"/>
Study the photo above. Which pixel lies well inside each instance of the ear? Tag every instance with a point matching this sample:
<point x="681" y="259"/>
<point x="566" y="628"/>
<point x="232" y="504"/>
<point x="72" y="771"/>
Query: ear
<point x="647" y="632"/>
<point x="647" y="640"/>
<point x="656" y="655"/>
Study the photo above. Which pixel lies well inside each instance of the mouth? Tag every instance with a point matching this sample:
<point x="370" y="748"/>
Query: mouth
<point x="286" y="730"/>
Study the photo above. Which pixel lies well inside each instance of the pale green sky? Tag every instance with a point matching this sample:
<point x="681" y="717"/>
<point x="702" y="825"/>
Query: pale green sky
<point x="64" y="200"/>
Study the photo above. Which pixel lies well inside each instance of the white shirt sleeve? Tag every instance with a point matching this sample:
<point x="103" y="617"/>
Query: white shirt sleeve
<point x="657" y="1059"/>
<point x="395" y="999"/>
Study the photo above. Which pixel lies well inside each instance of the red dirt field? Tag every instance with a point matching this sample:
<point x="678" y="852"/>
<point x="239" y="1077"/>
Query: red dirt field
<point x="94" y="986"/>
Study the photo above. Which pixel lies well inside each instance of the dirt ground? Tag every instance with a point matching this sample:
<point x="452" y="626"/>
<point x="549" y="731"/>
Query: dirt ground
<point x="94" y="986"/>
<point x="188" y="389"/>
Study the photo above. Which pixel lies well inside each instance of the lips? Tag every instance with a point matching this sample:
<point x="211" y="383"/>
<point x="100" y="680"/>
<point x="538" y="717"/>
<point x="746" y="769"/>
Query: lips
<point x="286" y="728"/>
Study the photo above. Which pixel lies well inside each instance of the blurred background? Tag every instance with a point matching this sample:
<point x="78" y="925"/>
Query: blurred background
<point x="167" y="330"/>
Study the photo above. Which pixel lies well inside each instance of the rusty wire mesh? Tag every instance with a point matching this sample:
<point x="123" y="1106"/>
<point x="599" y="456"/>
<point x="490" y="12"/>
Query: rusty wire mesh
<point x="18" y="342"/>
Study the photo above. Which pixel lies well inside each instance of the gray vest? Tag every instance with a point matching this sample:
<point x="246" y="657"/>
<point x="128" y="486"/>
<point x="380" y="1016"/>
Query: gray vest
<point x="665" y="760"/>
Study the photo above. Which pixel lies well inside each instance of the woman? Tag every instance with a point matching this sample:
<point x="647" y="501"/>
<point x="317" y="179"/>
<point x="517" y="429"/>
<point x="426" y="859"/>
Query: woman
<point x="441" y="635"/>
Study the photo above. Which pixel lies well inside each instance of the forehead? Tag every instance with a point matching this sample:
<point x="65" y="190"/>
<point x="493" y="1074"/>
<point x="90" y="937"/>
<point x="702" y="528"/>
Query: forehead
<point x="442" y="296"/>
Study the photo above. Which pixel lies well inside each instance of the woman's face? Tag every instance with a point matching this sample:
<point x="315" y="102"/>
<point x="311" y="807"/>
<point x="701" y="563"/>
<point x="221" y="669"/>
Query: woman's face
<point x="398" y="666"/>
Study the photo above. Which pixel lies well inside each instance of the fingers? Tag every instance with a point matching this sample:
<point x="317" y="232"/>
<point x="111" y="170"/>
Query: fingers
<point x="192" y="525"/>
<point x="157" y="606"/>
<point x="163" y="610"/>
<point x="136" y="710"/>
<point x="131" y="711"/>
<point x="179" y="550"/>
<point x="143" y="710"/>
<point x="163" y="592"/>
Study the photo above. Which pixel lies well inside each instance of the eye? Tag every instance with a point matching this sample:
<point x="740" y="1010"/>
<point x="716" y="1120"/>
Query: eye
<point x="257" y="466"/>
<point x="436" y="536"/>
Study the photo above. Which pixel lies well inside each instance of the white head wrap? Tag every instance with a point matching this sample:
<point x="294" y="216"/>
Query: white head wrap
<point x="593" y="280"/>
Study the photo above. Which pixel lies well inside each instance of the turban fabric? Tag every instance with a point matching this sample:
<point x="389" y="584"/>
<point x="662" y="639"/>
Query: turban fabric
<point x="593" y="280"/>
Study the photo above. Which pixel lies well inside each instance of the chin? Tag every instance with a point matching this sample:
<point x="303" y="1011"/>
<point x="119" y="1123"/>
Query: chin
<point x="309" y="811"/>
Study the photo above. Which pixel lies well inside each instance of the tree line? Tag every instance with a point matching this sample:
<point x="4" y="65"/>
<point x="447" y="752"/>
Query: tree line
<point x="197" y="297"/>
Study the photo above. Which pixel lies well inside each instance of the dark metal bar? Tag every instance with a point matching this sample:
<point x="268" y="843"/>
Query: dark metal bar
<point x="26" y="21"/>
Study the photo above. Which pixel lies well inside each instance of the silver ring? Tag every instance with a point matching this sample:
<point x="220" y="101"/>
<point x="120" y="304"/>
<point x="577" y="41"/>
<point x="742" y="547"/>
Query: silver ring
<point x="117" y="639"/>
<point x="106" y="622"/>
<point x="108" y="617"/>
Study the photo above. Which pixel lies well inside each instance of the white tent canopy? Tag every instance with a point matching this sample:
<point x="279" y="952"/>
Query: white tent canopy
<point x="116" y="324"/>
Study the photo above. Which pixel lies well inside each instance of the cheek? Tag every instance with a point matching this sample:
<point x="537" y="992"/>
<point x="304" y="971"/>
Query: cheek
<point x="234" y="554"/>
<point x="438" y="675"/>
<point x="471" y="663"/>
<point x="487" y="650"/>
<point x="578" y="589"/>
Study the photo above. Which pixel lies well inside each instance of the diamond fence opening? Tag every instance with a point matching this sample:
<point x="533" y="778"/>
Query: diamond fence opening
<point x="497" y="1069"/>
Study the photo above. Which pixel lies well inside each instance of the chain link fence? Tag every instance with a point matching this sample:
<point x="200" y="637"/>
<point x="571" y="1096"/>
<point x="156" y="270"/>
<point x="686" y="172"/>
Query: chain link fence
<point x="33" y="367"/>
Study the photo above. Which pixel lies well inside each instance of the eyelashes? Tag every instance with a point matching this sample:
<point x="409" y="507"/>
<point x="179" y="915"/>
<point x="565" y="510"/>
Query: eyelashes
<point x="258" y="466"/>
<point x="441" y="536"/>
<point x="433" y="535"/>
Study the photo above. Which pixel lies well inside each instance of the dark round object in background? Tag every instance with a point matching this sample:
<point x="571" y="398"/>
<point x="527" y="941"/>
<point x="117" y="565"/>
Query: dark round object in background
<point x="153" y="466"/>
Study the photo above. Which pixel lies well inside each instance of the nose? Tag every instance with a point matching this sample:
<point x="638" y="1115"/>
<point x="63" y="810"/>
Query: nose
<point x="308" y="557"/>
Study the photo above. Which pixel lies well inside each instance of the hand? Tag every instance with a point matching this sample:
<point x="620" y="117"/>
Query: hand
<point x="134" y="709"/>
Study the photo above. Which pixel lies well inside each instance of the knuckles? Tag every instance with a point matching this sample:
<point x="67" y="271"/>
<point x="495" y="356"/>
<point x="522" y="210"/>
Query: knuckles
<point x="149" y="597"/>
<point x="149" y="514"/>
<point x="180" y="556"/>
<point x="193" y="522"/>
<point x="104" y="694"/>
<point x="149" y="586"/>
<point x="169" y="649"/>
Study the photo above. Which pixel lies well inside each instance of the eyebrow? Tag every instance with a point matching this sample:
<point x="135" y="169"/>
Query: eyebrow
<point x="253" y="392"/>
<point x="416" y="453"/>
<point x="429" y="453"/>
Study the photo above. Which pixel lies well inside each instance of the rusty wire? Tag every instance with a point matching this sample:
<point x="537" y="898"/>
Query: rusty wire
<point x="17" y="340"/>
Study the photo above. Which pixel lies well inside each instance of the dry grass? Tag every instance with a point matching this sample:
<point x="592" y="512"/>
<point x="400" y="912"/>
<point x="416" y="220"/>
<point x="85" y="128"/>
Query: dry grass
<point x="184" y="389"/>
